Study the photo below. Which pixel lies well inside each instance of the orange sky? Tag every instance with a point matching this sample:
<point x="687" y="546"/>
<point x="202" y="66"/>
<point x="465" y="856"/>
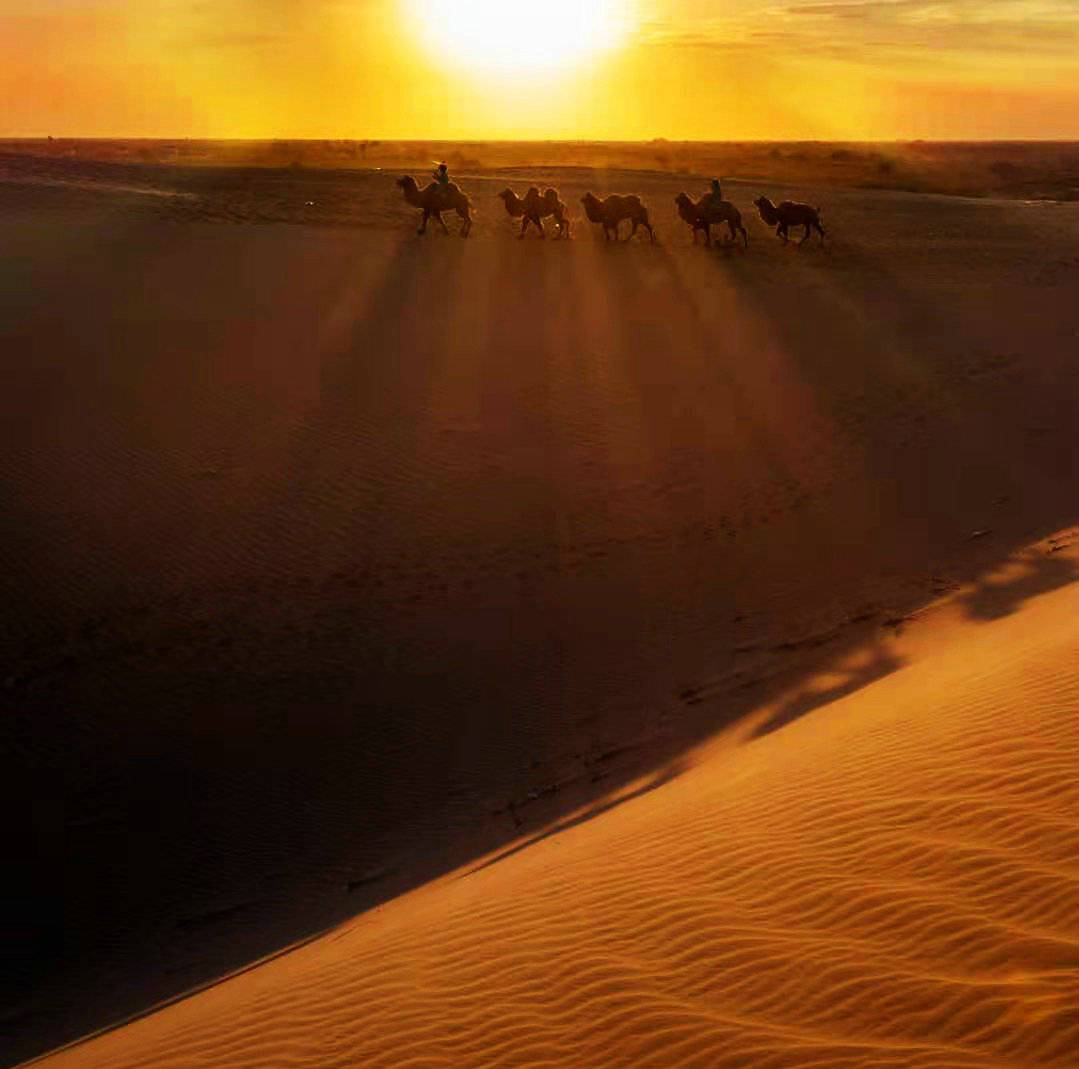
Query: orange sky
<point x="686" y="69"/>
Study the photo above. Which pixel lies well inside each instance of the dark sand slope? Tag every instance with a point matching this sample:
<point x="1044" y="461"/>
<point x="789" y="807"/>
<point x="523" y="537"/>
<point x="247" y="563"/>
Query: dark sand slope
<point x="336" y="557"/>
<point x="890" y="882"/>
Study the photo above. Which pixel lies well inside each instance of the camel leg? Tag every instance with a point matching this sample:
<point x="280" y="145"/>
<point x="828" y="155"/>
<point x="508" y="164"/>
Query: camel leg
<point x="651" y="233"/>
<point x="781" y="233"/>
<point x="423" y="222"/>
<point x="524" y="227"/>
<point x="805" y="236"/>
<point x="820" y="230"/>
<point x="466" y="224"/>
<point x="441" y="222"/>
<point x="539" y="226"/>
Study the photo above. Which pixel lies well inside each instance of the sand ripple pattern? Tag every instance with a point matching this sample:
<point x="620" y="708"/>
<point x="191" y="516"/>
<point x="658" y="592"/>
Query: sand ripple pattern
<point x="892" y="881"/>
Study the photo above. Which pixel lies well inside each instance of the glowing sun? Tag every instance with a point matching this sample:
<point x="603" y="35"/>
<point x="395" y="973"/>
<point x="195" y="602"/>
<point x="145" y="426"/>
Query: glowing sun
<point x="520" y="37"/>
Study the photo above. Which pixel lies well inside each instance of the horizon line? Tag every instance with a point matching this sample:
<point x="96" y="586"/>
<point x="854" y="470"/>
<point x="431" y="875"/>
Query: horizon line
<point x="1074" y="139"/>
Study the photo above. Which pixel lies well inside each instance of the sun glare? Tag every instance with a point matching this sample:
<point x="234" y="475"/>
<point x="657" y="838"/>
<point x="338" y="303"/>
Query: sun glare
<point x="492" y="36"/>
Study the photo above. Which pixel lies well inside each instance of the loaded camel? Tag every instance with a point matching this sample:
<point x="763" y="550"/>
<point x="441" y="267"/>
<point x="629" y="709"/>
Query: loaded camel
<point x="610" y="211"/>
<point x="435" y="201"/>
<point x="702" y="214"/>
<point x="790" y="213"/>
<point x="534" y="208"/>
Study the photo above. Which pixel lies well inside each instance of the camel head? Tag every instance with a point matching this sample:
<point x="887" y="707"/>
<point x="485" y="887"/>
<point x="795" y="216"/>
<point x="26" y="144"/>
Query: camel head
<point x="593" y="207"/>
<point x="406" y="182"/>
<point x="512" y="203"/>
<point x="767" y="209"/>
<point x="682" y="200"/>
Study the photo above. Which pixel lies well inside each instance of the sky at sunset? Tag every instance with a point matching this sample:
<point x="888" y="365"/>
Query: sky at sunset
<point x="602" y="69"/>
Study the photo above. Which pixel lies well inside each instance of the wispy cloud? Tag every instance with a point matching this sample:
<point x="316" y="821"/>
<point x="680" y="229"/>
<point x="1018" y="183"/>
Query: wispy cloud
<point x="866" y="28"/>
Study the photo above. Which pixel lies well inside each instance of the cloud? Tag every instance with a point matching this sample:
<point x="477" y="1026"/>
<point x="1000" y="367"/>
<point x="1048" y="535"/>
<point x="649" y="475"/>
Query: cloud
<point x="917" y="29"/>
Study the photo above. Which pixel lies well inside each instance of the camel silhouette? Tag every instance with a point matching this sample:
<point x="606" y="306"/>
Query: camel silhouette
<point x="534" y="209"/>
<point x="433" y="200"/>
<point x="702" y="214"/>
<point x="610" y="211"/>
<point x="790" y="213"/>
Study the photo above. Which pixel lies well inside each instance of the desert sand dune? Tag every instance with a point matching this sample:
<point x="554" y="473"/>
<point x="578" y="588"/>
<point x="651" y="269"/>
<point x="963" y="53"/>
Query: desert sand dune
<point x="339" y="559"/>
<point x="891" y="881"/>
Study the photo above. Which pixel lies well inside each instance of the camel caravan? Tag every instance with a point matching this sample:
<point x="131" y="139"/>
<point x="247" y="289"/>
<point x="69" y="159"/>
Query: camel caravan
<point x="442" y="195"/>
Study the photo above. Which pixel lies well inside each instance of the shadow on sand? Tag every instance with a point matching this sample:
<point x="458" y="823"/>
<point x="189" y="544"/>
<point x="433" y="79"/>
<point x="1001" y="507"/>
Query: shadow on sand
<point x="881" y="662"/>
<point x="993" y="598"/>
